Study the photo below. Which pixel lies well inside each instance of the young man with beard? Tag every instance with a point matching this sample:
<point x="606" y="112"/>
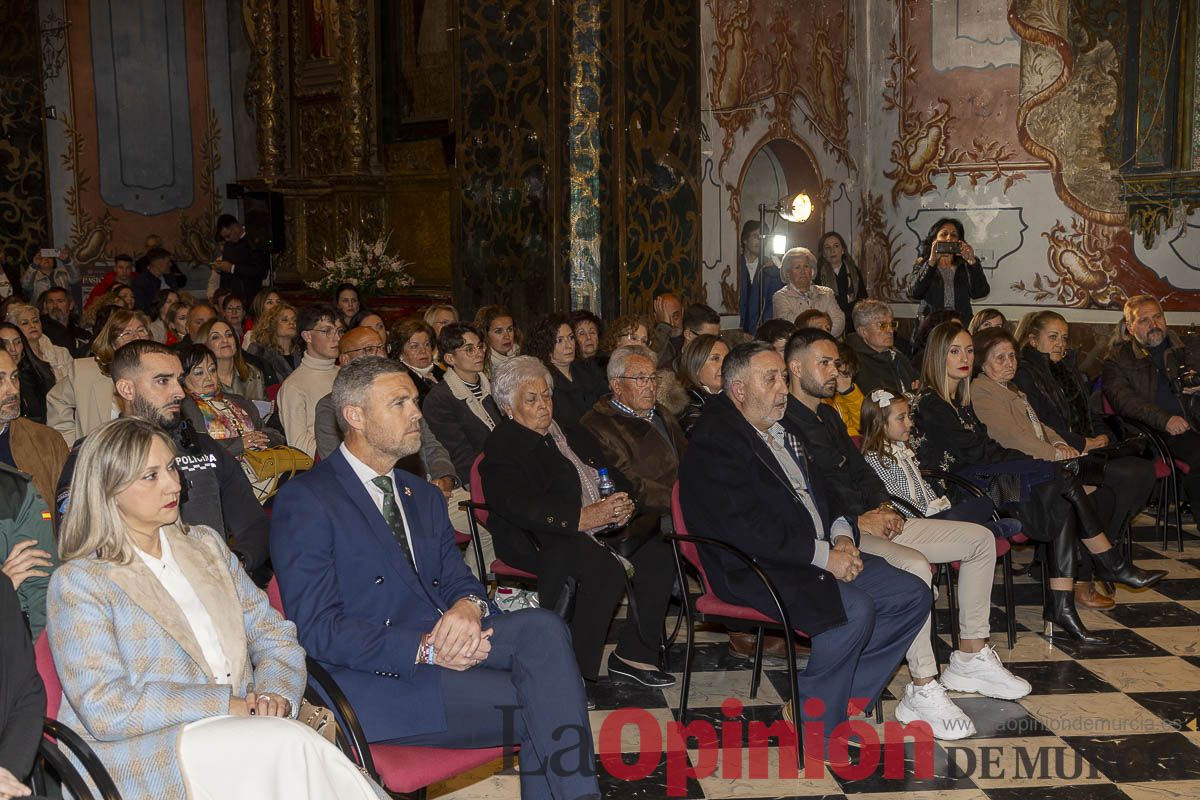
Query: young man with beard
<point x="146" y="377"/>
<point x="26" y="534"/>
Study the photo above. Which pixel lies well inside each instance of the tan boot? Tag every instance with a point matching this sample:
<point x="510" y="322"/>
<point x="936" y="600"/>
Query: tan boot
<point x="1086" y="596"/>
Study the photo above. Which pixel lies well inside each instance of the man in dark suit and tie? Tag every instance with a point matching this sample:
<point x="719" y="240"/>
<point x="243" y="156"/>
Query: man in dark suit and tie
<point x="860" y="612"/>
<point x="371" y="575"/>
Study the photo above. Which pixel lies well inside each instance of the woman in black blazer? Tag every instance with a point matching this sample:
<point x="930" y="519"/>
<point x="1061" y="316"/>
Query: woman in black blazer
<point x="548" y="518"/>
<point x="552" y="341"/>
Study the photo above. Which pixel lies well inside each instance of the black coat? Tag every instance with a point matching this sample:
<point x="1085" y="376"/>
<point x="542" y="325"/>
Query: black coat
<point x="424" y="385"/>
<point x="1059" y="397"/>
<point x="575" y="397"/>
<point x="950" y="437"/>
<point x="854" y="487"/>
<point x="731" y="488"/>
<point x="462" y="433"/>
<point x="890" y="370"/>
<point x="76" y="339"/>
<point x="22" y="696"/>
<point x="534" y="490"/>
<point x="250" y="267"/>
<point x="970" y="283"/>
<point x="692" y="411"/>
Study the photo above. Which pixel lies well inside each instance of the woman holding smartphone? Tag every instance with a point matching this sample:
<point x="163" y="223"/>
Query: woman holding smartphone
<point x="948" y="274"/>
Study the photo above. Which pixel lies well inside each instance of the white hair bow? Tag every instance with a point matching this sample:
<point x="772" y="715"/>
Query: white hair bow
<point x="882" y="397"/>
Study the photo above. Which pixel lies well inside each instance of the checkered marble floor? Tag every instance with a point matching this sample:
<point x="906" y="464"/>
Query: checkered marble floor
<point x="1109" y="722"/>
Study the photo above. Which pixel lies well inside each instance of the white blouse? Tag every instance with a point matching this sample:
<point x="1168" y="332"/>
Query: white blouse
<point x="167" y="571"/>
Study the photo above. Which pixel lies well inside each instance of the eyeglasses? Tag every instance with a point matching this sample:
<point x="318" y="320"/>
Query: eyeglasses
<point x="640" y="380"/>
<point x="132" y="333"/>
<point x="338" y="331"/>
<point x="471" y="349"/>
<point x="371" y="350"/>
<point x="889" y="326"/>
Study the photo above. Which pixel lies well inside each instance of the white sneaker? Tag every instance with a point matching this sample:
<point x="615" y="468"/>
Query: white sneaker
<point x="929" y="703"/>
<point x="982" y="673"/>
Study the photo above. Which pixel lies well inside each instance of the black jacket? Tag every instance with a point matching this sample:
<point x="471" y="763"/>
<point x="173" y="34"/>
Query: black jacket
<point x="423" y="385"/>
<point x="970" y="283"/>
<point x="249" y="268"/>
<point x="1059" y="396"/>
<point x="731" y="488"/>
<point x="854" y="488"/>
<point x="462" y="433"/>
<point x="575" y="397"/>
<point x="534" y="490"/>
<point x="216" y="493"/>
<point x="690" y="415"/>
<point x="1130" y="380"/>
<point x="889" y="370"/>
<point x="76" y="339"/>
<point x="950" y="437"/>
<point x="22" y="696"/>
<point x="146" y="286"/>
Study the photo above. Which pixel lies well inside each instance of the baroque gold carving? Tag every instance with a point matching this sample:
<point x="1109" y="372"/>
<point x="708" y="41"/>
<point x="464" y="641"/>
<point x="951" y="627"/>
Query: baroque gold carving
<point x="196" y="232"/>
<point x="263" y="89"/>
<point x="879" y="248"/>
<point x="320" y="132"/>
<point x="357" y="97"/>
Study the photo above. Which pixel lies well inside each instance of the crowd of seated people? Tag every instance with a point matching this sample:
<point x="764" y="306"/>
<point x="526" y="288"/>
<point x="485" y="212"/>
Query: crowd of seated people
<point x="134" y="535"/>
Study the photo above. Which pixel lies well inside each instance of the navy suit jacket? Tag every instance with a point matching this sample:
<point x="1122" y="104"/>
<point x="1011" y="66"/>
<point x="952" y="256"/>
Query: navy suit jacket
<point x="359" y="607"/>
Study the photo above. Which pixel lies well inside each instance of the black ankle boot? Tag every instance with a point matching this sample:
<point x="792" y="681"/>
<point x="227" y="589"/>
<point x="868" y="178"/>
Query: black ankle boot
<point x="1061" y="612"/>
<point x="1113" y="567"/>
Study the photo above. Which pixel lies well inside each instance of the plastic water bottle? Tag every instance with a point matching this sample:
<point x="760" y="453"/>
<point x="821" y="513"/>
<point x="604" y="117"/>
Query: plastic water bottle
<point x="605" y="484"/>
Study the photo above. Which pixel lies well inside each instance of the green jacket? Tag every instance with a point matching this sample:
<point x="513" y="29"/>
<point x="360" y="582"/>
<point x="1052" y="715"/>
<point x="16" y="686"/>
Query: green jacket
<point x="24" y="515"/>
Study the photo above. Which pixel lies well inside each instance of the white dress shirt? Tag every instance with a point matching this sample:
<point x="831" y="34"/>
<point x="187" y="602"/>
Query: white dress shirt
<point x="167" y="571"/>
<point x="367" y="475"/>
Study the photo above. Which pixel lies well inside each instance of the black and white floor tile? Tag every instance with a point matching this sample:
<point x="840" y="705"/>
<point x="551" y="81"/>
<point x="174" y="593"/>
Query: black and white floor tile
<point x="1119" y="721"/>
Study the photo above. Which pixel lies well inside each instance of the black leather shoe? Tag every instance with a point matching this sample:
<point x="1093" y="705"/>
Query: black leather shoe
<point x="654" y="678"/>
<point x="1112" y="567"/>
<point x="1061" y="613"/>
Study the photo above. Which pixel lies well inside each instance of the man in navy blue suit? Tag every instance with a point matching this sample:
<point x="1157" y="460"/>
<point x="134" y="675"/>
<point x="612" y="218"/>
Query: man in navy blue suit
<point x="371" y="575"/>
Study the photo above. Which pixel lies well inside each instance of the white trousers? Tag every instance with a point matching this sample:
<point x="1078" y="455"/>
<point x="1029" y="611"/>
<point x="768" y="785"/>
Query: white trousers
<point x="266" y="758"/>
<point x="940" y="541"/>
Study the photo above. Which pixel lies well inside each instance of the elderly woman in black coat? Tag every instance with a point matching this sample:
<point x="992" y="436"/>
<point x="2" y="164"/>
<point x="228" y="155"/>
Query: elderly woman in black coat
<point x="548" y="517"/>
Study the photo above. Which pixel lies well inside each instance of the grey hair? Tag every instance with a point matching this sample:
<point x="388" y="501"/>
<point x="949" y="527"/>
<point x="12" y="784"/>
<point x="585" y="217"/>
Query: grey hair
<point x="508" y="377"/>
<point x="619" y="360"/>
<point x="802" y="253"/>
<point x="739" y="358"/>
<point x="867" y="310"/>
<point x="355" y="379"/>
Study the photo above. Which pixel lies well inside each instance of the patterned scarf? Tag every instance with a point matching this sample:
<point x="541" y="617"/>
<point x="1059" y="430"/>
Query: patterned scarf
<point x="222" y="419"/>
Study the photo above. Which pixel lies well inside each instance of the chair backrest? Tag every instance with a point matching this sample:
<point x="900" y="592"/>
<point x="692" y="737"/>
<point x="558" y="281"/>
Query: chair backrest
<point x="273" y="595"/>
<point x="688" y="550"/>
<point x="48" y="674"/>
<point x="481" y="516"/>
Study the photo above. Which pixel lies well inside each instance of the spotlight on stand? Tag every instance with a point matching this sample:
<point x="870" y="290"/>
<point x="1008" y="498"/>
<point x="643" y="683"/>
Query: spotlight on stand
<point x="778" y="244"/>
<point x="796" y="208"/>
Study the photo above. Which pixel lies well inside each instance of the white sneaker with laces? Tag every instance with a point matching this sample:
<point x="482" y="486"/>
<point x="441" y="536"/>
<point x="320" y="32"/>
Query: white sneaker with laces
<point x="982" y="673"/>
<point x="929" y="703"/>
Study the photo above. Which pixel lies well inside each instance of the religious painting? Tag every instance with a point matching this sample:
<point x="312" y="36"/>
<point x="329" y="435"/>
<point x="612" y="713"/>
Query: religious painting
<point x="321" y="19"/>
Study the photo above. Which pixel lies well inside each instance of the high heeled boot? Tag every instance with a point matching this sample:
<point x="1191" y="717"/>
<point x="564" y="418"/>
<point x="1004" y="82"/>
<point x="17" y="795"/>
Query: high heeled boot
<point x="1060" y="604"/>
<point x="1112" y="566"/>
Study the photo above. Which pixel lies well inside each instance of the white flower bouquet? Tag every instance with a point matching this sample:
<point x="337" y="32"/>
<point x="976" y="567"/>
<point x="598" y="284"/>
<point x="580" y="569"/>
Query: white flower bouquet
<point x="365" y="266"/>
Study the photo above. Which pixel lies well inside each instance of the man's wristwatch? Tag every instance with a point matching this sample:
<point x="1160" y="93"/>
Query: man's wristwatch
<point x="480" y="603"/>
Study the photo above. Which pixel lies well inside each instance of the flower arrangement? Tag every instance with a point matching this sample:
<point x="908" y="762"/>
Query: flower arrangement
<point x="365" y="266"/>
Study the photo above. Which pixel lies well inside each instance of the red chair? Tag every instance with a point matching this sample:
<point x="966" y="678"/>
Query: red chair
<point x="479" y="512"/>
<point x="400" y="769"/>
<point x="707" y="607"/>
<point x="55" y="734"/>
